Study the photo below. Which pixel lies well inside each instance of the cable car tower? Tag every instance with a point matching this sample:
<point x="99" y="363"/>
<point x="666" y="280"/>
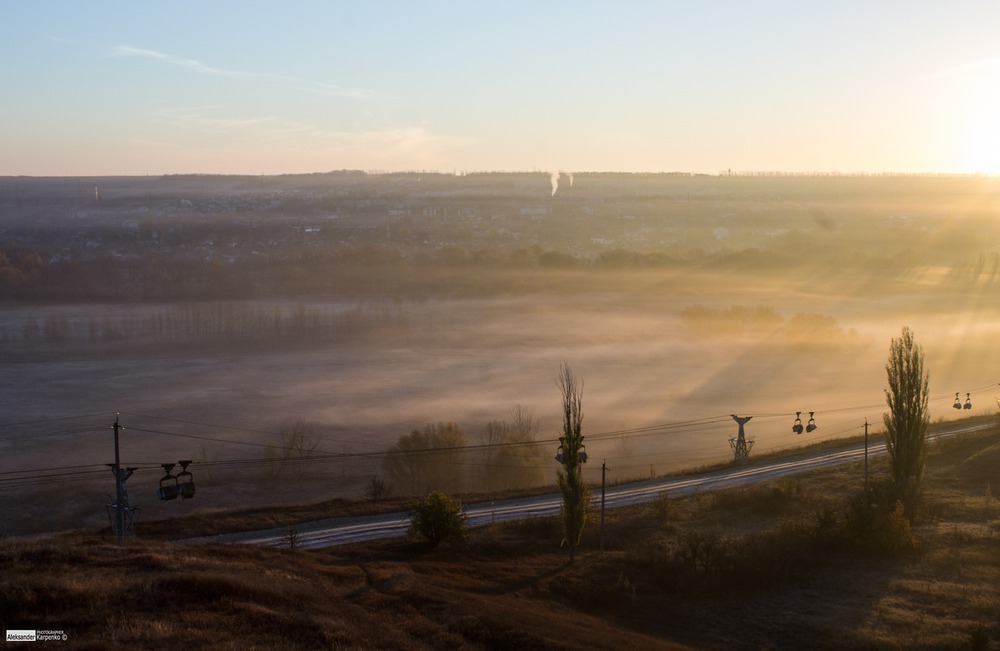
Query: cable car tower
<point x="121" y="515"/>
<point x="740" y="445"/>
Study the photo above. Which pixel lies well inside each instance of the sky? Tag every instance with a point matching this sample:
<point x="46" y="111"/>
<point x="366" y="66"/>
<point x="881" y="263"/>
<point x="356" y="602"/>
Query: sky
<point x="247" y="87"/>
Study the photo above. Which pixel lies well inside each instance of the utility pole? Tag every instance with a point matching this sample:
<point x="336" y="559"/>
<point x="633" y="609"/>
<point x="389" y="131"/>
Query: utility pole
<point x="604" y="470"/>
<point x="866" y="458"/>
<point x="119" y="487"/>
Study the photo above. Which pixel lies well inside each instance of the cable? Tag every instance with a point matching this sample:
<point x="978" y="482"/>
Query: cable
<point x="27" y="437"/>
<point x="191" y="422"/>
<point x="237" y="429"/>
<point x="54" y="474"/>
<point x="52" y="420"/>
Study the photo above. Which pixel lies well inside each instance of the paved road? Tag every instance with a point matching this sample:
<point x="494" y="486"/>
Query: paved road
<point x="339" y="531"/>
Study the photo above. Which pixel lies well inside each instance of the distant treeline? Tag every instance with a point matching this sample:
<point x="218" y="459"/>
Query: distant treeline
<point x="356" y="271"/>
<point x="214" y="323"/>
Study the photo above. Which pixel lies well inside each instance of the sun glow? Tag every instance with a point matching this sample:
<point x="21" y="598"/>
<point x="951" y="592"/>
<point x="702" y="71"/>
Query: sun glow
<point x="977" y="146"/>
<point x="980" y="148"/>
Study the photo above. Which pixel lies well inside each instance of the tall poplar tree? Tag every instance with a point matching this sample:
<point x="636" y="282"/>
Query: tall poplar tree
<point x="907" y="419"/>
<point x="571" y="455"/>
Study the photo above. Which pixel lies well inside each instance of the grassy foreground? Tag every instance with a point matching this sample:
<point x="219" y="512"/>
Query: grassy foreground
<point x="789" y="564"/>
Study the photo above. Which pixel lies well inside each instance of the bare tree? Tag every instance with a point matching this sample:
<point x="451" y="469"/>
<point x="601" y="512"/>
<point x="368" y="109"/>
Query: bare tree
<point x="299" y="447"/>
<point x="525" y="458"/>
<point x="377" y="488"/>
<point x="907" y="419"/>
<point x="511" y="456"/>
<point x="571" y="455"/>
<point x="494" y="437"/>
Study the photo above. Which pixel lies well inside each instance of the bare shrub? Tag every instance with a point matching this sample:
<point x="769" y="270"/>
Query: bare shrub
<point x="376" y="489"/>
<point x="294" y="456"/>
<point x="292" y="539"/>
<point x="665" y="509"/>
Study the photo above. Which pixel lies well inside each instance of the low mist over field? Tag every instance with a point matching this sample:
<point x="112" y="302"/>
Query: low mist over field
<point x="215" y="313"/>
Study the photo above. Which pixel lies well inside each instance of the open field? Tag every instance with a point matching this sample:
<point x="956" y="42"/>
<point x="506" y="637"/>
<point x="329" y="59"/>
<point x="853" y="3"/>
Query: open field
<point x="794" y="578"/>
<point x="215" y="312"/>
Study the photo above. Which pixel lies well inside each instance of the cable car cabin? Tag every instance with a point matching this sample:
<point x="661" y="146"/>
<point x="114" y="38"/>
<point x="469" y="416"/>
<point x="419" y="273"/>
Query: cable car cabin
<point x="168" y="485"/>
<point x="811" y="425"/>
<point x="185" y="481"/>
<point x="581" y="456"/>
<point x="168" y="491"/>
<point x="797" y="427"/>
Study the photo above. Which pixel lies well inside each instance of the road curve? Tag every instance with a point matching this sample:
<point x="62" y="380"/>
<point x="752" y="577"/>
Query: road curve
<point x="340" y="531"/>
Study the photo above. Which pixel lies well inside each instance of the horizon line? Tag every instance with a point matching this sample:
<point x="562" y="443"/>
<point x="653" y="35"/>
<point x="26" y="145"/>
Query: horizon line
<point x="548" y="172"/>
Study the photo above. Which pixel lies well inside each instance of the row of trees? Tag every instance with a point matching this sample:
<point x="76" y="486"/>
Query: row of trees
<point x="378" y="258"/>
<point x="213" y="322"/>
<point x="438" y="458"/>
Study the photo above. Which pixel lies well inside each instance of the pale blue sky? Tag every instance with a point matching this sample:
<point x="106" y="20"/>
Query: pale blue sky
<point x="271" y="87"/>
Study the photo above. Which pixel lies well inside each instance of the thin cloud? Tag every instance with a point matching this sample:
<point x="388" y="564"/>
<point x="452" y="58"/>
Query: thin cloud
<point x="63" y="40"/>
<point x="305" y="85"/>
<point x="963" y="69"/>
<point x="190" y="64"/>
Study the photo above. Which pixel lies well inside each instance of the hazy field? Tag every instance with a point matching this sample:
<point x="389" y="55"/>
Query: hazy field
<point x="708" y="333"/>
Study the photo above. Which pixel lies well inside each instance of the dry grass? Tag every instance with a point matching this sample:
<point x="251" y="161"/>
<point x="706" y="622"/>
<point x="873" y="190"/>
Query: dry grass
<point x="509" y="587"/>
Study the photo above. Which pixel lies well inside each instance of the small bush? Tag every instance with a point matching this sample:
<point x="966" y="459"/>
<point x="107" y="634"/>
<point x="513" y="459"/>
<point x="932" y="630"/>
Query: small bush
<point x="665" y="508"/>
<point x="436" y="518"/>
<point x="292" y="537"/>
<point x="377" y="489"/>
<point x="771" y="498"/>
<point x="878" y="522"/>
<point x="702" y="562"/>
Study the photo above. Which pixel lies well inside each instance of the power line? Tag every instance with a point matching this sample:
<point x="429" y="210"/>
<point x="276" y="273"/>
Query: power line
<point x="28" y="437"/>
<point x="199" y="424"/>
<point x="53" y="420"/>
<point x="235" y="429"/>
<point x="53" y="474"/>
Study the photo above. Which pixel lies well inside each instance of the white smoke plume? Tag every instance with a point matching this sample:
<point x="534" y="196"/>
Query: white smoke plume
<point x="554" y="180"/>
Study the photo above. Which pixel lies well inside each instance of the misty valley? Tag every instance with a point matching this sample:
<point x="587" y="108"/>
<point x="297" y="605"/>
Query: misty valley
<point x="295" y="335"/>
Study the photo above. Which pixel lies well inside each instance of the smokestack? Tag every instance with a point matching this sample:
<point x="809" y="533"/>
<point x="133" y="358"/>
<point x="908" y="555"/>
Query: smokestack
<point x="554" y="180"/>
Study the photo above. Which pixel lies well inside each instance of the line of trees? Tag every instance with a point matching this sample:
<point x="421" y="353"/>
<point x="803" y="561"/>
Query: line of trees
<point x="436" y="457"/>
<point x="207" y="323"/>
